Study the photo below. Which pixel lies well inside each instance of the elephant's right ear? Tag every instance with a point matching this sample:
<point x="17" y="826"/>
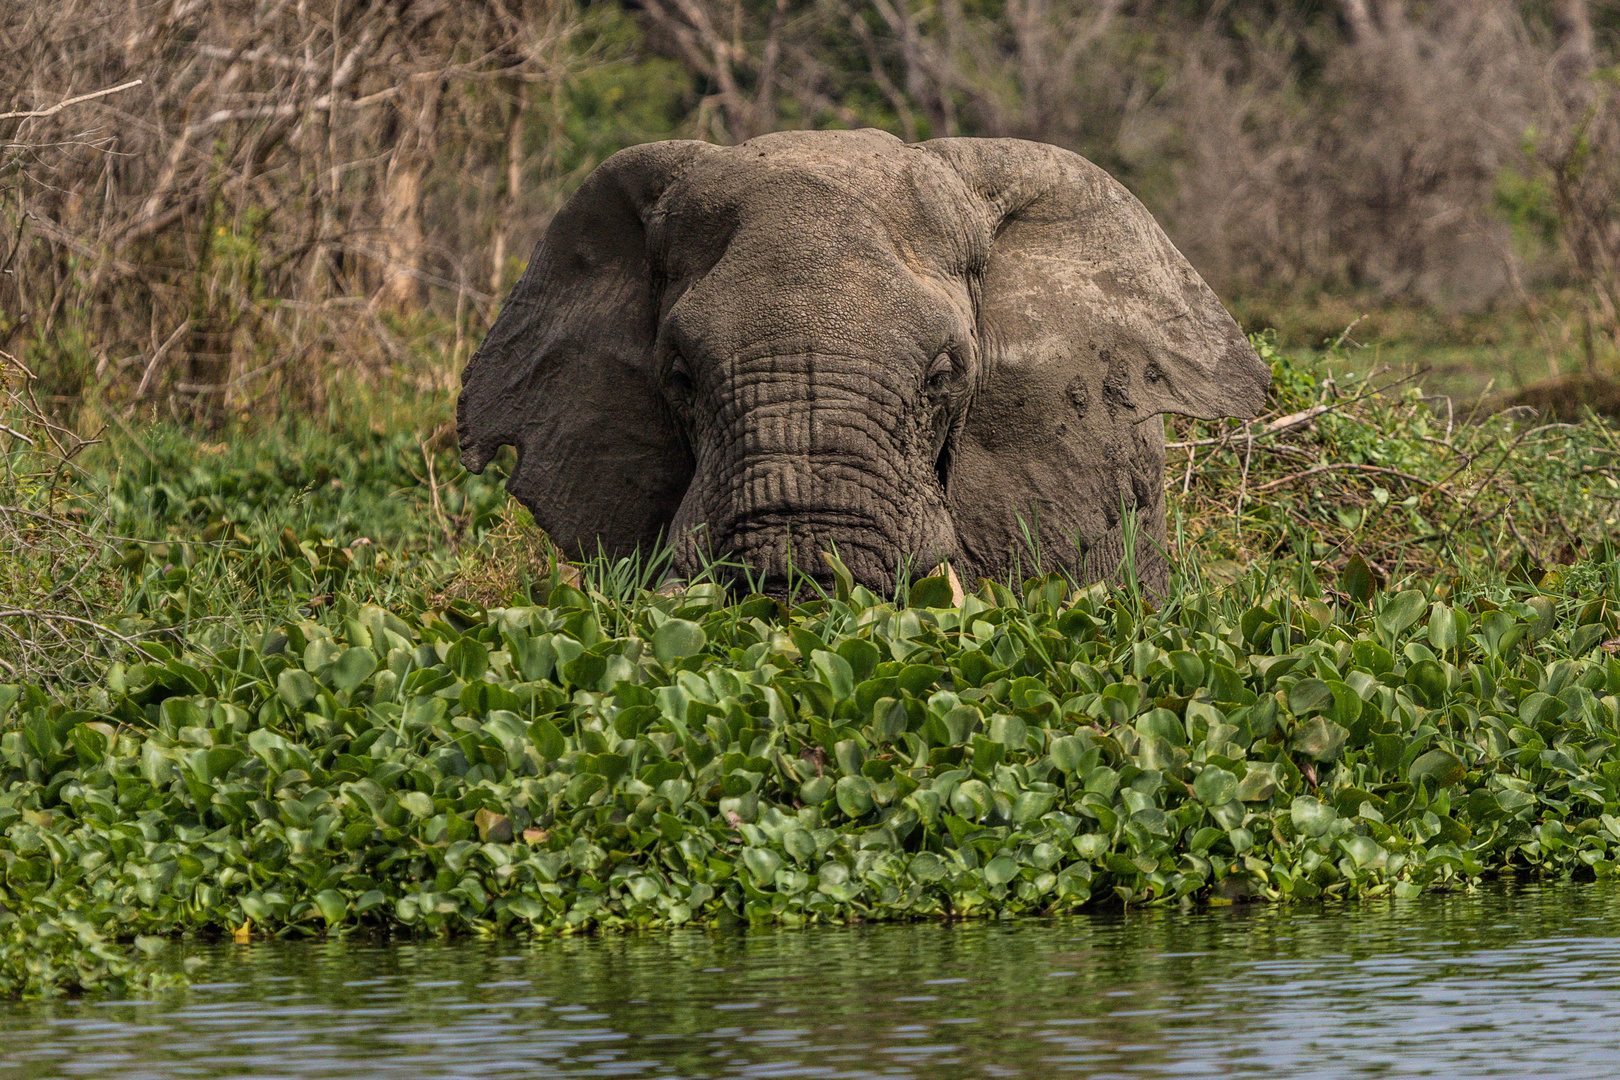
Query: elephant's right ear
<point x="567" y="373"/>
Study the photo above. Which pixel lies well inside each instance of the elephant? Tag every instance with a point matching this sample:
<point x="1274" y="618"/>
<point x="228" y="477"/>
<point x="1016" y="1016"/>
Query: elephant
<point x="957" y="351"/>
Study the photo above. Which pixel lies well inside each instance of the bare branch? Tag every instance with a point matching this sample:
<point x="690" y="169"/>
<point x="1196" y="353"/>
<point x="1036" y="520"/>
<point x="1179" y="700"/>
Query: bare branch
<point x="60" y="105"/>
<point x="150" y="374"/>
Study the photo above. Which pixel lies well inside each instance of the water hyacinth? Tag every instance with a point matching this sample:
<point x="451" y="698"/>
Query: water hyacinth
<point x="654" y="760"/>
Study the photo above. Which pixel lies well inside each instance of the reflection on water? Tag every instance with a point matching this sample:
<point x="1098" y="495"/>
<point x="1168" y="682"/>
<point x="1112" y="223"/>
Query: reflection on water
<point x="1514" y="981"/>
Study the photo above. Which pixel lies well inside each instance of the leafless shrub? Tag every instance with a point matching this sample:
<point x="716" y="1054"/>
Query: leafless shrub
<point x="1579" y="153"/>
<point x="1377" y="172"/>
<point x="284" y="177"/>
<point x="1287" y="148"/>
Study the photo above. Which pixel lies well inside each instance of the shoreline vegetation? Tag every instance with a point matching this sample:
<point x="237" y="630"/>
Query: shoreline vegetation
<point x="272" y="663"/>
<point x="339" y="686"/>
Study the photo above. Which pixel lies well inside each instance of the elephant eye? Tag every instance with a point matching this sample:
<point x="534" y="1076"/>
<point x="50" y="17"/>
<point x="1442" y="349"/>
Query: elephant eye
<point x="679" y="377"/>
<point x="940" y="372"/>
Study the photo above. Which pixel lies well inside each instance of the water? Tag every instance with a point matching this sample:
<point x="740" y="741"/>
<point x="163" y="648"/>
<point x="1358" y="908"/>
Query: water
<point x="1518" y="980"/>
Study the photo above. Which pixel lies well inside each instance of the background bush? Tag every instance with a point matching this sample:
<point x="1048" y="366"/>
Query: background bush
<point x="272" y="197"/>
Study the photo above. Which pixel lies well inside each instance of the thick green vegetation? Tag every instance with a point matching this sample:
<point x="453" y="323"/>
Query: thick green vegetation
<point x="315" y="737"/>
<point x="603" y="761"/>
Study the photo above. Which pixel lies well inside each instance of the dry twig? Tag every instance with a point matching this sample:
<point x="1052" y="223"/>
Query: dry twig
<point x="1348" y="466"/>
<point x="60" y="105"/>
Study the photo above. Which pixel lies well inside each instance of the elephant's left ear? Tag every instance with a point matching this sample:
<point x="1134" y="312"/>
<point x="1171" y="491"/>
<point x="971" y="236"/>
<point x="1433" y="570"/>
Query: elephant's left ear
<point x="1083" y="286"/>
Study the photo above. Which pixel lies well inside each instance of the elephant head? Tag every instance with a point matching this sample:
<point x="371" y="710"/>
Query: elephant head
<point x="819" y="340"/>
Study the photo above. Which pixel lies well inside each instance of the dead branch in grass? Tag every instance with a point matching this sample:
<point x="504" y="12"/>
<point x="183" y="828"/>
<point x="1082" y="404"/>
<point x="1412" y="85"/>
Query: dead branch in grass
<point x="1348" y="466"/>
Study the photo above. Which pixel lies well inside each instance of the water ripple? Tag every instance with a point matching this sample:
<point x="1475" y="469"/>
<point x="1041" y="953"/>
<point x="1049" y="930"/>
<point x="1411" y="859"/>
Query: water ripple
<point x="1511" y="981"/>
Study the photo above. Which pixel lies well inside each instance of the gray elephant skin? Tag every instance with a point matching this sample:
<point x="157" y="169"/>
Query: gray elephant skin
<point x="952" y="350"/>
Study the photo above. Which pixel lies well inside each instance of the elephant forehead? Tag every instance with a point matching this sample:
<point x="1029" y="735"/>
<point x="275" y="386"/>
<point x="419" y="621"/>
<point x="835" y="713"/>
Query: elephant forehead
<point x="757" y="303"/>
<point x="804" y="190"/>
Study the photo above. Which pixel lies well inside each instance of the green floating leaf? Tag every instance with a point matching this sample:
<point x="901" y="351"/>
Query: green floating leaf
<point x="815" y="790"/>
<point x="972" y="800"/>
<point x="1311" y="817"/>
<point x="931" y="592"/>
<point x="1256" y="625"/>
<point x="1214" y="786"/>
<point x="1308" y="695"/>
<point x="799" y="843"/>
<point x="861" y="655"/>
<point x="585" y="671"/>
<point x="1320" y="738"/>
<point x="211" y="764"/>
<point x="791" y="882"/>
<point x="1001" y="869"/>
<point x="1258" y="784"/>
<point x="353" y="668"/>
<point x="1032" y="806"/>
<point x="1441" y="766"/>
<point x="1431" y="681"/>
<point x="854" y="796"/>
<point x="1189" y="667"/>
<point x="296" y="688"/>
<point x="1091" y="846"/>
<point x="1546" y="616"/>
<point x="1347" y="704"/>
<point x="468" y="658"/>
<point x="843" y="580"/>
<point x="916" y="678"/>
<point x="763" y="863"/>
<point x="417" y="803"/>
<point x="1443" y="629"/>
<point x="1066" y="752"/>
<point x="1359" y="581"/>
<point x="1362" y="850"/>
<point x="1400" y="612"/>
<point x="1009" y="731"/>
<point x="834" y="671"/>
<point x="332" y="906"/>
<point x="676" y="639"/>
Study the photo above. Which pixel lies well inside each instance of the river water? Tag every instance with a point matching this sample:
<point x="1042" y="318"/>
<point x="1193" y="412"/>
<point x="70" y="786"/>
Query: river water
<point x="1516" y="980"/>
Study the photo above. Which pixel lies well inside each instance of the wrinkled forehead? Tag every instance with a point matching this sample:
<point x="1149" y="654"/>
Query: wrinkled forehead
<point x="839" y="191"/>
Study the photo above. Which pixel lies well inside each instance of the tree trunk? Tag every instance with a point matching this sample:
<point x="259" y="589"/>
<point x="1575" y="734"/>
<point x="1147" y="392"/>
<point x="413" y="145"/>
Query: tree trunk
<point x="514" y="179"/>
<point x="402" y="239"/>
<point x="1360" y="19"/>
<point x="1572" y="28"/>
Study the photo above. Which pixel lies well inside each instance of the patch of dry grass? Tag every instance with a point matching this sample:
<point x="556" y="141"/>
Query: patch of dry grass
<point x="503" y="565"/>
<point x="1417" y="485"/>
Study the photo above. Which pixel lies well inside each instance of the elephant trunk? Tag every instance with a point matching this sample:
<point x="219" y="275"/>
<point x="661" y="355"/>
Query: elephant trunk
<point x="809" y="455"/>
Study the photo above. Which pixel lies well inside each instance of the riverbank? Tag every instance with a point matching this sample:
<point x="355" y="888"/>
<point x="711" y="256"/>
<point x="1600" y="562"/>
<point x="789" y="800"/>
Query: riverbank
<point x="1359" y="686"/>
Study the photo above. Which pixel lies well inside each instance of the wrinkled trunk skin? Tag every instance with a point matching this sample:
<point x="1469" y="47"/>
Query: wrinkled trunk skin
<point x="797" y="456"/>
